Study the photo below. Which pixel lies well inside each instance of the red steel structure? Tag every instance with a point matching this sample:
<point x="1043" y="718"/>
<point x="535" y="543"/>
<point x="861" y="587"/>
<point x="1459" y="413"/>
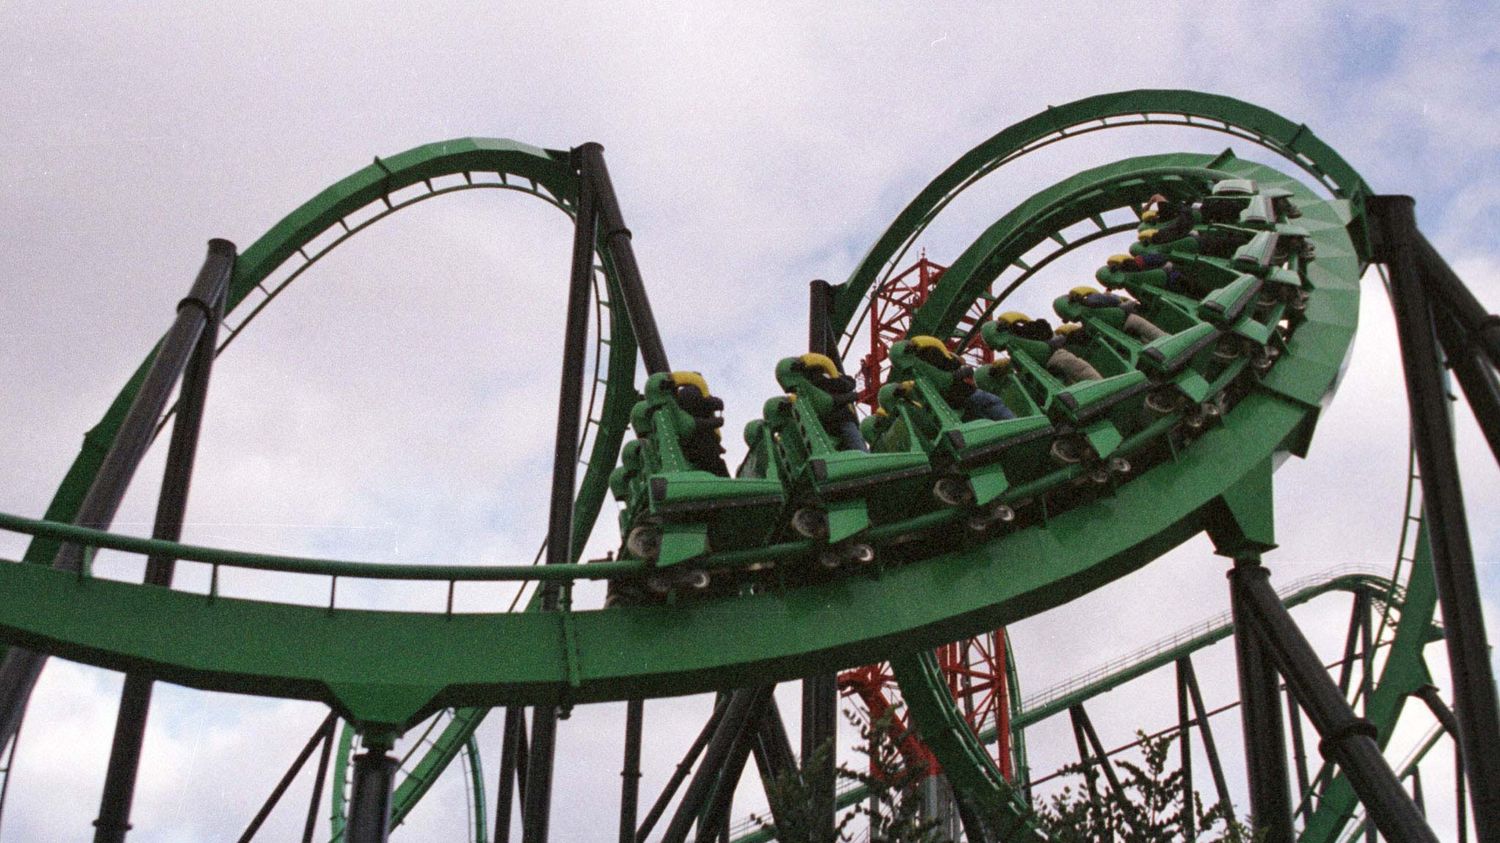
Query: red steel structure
<point x="974" y="668"/>
<point x="976" y="673"/>
<point x="891" y="309"/>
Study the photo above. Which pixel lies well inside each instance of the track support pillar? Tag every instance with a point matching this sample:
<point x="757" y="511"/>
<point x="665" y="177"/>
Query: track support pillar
<point x="1347" y="740"/>
<point x="1260" y="712"/>
<point x="370" y="804"/>
<point x="1425" y="290"/>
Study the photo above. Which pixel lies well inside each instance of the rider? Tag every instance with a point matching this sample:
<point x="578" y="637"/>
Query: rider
<point x="702" y="445"/>
<point x="1040" y="343"/>
<point x="961" y="393"/>
<point x="824" y="374"/>
<point x="1135" y="325"/>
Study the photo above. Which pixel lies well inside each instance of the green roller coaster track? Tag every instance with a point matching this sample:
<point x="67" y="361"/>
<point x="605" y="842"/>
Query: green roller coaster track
<point x="385" y="671"/>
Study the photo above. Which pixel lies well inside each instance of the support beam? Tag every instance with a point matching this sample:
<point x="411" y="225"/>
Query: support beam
<point x="683" y="768"/>
<point x="512" y="758"/>
<point x="537" y="804"/>
<point x="171" y="507"/>
<point x="820" y="335"/>
<point x="630" y="770"/>
<point x="616" y="239"/>
<point x="1475" y="374"/>
<point x="370" y="802"/>
<point x="1205" y="728"/>
<point x="324" y="732"/>
<point x="774" y="758"/>
<point x="1347" y="740"/>
<point x="820" y="695"/>
<point x="1185" y="756"/>
<point x="1299" y="757"/>
<point x="1260" y="714"/>
<point x="1429" y="695"/>
<point x="820" y="703"/>
<point x="1081" y="717"/>
<point x="310" y="827"/>
<point x="1415" y="269"/>
<point x="1359" y="609"/>
<point x="738" y="716"/>
<point x="1090" y="775"/>
<point x="714" y="819"/>
<point x="20" y="668"/>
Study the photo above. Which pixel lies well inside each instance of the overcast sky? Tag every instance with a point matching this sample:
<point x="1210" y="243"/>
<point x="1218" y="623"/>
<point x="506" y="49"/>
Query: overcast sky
<point x="395" y="404"/>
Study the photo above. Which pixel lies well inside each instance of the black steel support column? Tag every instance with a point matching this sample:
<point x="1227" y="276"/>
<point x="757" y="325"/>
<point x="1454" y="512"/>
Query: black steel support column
<point x="370" y="802"/>
<point x="1475" y="374"/>
<point x="1429" y="695"/>
<point x="1185" y="754"/>
<point x="311" y="826"/>
<point x="616" y="239"/>
<point x="1359" y="610"/>
<point x="1415" y="268"/>
<point x="738" y="718"/>
<point x="1299" y="756"/>
<point x="1347" y="740"/>
<point x="21" y="667"/>
<point x="683" y="768"/>
<point x="713" y="822"/>
<point x="1090" y="775"/>
<point x="1366" y="680"/>
<point x="630" y="770"/>
<point x="1448" y="291"/>
<point x="820" y="337"/>
<point x="774" y="757"/>
<point x="1105" y="766"/>
<point x="324" y="733"/>
<point x="1210" y="748"/>
<point x="820" y="701"/>
<point x="135" y="698"/>
<point x="513" y="752"/>
<point x="820" y="695"/>
<point x="1260" y="713"/>
<point x="537" y="802"/>
<point x="1416" y="790"/>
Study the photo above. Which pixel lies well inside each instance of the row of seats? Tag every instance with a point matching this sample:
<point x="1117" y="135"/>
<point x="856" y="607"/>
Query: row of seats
<point x="1201" y="305"/>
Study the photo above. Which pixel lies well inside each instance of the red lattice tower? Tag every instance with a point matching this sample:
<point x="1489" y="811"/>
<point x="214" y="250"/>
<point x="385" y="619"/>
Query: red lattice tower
<point x="975" y="669"/>
<point x="891" y="309"/>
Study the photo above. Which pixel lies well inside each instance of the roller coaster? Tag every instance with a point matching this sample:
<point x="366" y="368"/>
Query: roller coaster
<point x="1003" y="468"/>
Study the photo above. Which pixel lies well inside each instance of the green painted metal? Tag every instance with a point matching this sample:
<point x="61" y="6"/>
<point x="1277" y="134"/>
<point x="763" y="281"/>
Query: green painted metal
<point x="1160" y="107"/>
<point x="320" y="567"/>
<point x="388" y="669"/>
<point x="391" y="668"/>
<point x="1390" y="594"/>
<point x="457" y="737"/>
<point x="971" y="772"/>
<point x="1403" y="673"/>
<point x="544" y="173"/>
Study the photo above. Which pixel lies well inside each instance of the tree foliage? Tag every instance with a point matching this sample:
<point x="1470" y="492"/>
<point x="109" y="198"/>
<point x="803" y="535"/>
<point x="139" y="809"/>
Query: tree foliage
<point x="1149" y="807"/>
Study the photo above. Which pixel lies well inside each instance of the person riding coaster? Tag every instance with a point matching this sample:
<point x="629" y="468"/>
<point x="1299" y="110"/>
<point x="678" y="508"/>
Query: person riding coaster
<point x="1177" y="360"/>
<point x="702" y="446"/>
<point x="674" y="485"/>
<point x="1091" y="408"/>
<point x="834" y="401"/>
<point x="959" y="390"/>
<point x="1036" y="338"/>
<point x="1115" y="309"/>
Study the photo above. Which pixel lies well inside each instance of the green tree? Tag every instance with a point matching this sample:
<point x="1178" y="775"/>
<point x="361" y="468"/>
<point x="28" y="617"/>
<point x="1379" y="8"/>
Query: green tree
<point x="1148" y="808"/>
<point x="893" y="808"/>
